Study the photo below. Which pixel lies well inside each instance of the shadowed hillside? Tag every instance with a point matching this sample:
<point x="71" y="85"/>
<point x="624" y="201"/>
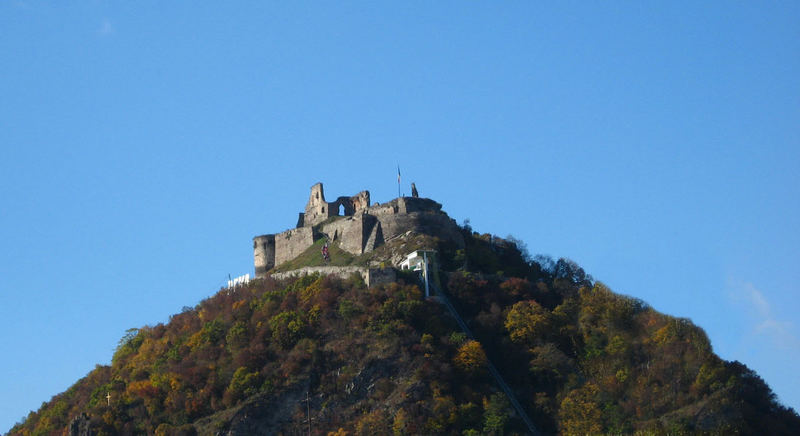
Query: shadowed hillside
<point x="263" y="358"/>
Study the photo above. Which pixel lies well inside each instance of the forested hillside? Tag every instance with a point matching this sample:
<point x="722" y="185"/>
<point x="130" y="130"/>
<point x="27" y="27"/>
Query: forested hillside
<point x="263" y="358"/>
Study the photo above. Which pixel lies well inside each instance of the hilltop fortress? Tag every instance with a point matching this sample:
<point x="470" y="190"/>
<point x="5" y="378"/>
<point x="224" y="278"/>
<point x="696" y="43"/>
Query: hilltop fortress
<point x="354" y="224"/>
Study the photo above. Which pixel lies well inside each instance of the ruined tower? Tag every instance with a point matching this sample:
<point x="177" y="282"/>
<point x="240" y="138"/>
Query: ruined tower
<point x="263" y="254"/>
<point x="317" y="209"/>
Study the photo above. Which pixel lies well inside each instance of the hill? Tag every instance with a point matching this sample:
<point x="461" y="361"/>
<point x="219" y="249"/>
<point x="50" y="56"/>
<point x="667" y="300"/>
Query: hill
<point x="265" y="357"/>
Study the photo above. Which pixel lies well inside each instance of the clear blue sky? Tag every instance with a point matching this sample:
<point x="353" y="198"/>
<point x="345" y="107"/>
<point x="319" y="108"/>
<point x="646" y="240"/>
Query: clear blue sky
<point x="143" y="144"/>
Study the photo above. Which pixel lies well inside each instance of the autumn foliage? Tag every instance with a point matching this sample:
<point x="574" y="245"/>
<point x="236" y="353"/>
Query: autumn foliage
<point x="384" y="360"/>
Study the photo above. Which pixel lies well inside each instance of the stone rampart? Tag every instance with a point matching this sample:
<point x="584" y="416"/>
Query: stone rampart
<point x="360" y="228"/>
<point x="424" y="223"/>
<point x="339" y="271"/>
<point x="347" y="232"/>
<point x="292" y="243"/>
<point x="356" y="234"/>
<point x="371" y="276"/>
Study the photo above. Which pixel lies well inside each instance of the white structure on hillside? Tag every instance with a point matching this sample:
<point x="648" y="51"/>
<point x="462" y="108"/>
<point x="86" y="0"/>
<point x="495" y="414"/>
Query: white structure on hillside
<point x="420" y="260"/>
<point x="416" y="259"/>
<point x="241" y="280"/>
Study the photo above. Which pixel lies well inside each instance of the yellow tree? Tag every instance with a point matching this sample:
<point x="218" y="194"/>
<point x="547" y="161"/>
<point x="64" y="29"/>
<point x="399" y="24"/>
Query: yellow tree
<point x="470" y="358"/>
<point x="528" y="321"/>
<point x="579" y="413"/>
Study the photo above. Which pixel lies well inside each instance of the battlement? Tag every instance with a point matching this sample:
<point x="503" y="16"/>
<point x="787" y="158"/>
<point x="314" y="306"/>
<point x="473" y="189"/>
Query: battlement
<point x="362" y="228"/>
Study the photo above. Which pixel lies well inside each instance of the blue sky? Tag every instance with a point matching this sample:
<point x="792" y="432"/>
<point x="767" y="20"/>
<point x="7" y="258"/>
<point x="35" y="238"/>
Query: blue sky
<point x="143" y="145"/>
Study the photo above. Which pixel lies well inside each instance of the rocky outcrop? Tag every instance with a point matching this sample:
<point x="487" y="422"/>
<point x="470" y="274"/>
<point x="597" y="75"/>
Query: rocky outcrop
<point x="79" y="426"/>
<point x="268" y="414"/>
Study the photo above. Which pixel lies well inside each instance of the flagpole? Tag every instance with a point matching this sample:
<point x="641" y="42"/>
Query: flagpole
<point x="398" y="181"/>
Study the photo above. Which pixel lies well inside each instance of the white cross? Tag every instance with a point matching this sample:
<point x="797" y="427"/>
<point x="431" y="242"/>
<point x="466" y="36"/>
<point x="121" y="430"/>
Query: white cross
<point x="108" y="398"/>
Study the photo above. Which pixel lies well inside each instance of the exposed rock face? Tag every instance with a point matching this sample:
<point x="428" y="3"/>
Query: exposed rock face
<point x="286" y="414"/>
<point x="360" y="229"/>
<point x="267" y="415"/>
<point x="79" y="426"/>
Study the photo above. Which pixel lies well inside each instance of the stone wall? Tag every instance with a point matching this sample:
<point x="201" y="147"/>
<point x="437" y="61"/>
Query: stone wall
<point x="356" y="234"/>
<point x="371" y="276"/>
<point x="362" y="228"/>
<point x="319" y="210"/>
<point x="263" y="254"/>
<point x="292" y="243"/>
<point x="347" y="232"/>
<point x="434" y="224"/>
<point x="339" y="271"/>
<point x="359" y="202"/>
<point x="377" y="276"/>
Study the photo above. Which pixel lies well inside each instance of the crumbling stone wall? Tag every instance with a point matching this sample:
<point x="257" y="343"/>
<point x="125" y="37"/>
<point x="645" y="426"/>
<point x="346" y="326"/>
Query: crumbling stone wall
<point x="362" y="228"/>
<point x="264" y="254"/>
<point x="354" y="234"/>
<point x="347" y="232"/>
<point x="319" y="210"/>
<point x="420" y="215"/>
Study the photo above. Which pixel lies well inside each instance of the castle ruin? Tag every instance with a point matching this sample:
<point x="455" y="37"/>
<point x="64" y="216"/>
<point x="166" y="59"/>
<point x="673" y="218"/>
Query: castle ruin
<point x="354" y="224"/>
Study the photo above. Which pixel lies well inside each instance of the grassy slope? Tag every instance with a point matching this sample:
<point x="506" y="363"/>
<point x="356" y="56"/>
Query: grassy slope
<point x="312" y="256"/>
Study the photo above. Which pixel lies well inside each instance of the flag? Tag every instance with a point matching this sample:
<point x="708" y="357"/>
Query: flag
<point x="398" y="174"/>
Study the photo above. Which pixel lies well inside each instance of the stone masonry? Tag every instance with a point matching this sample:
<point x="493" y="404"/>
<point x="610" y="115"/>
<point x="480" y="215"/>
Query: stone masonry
<point x="371" y="276"/>
<point x="354" y="224"/>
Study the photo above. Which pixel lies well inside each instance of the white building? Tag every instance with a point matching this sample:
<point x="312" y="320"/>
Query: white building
<point x="416" y="259"/>
<point x="420" y="260"/>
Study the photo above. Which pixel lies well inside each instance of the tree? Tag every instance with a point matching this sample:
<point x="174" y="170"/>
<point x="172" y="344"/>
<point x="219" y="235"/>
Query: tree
<point x="400" y="424"/>
<point x="470" y="358"/>
<point x="579" y="413"/>
<point x="237" y="336"/>
<point x="128" y="344"/>
<point x="375" y="422"/>
<point x="495" y="414"/>
<point x="287" y="328"/>
<point x="528" y="322"/>
<point x="243" y="384"/>
<point x="550" y="362"/>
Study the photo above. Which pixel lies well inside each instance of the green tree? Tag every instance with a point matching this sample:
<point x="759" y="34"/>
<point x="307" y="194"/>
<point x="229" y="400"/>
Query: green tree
<point x="287" y="328"/>
<point x="237" y="336"/>
<point x="127" y="345"/>
<point x="495" y="414"/>
<point x="400" y="424"/>
<point x="243" y="384"/>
